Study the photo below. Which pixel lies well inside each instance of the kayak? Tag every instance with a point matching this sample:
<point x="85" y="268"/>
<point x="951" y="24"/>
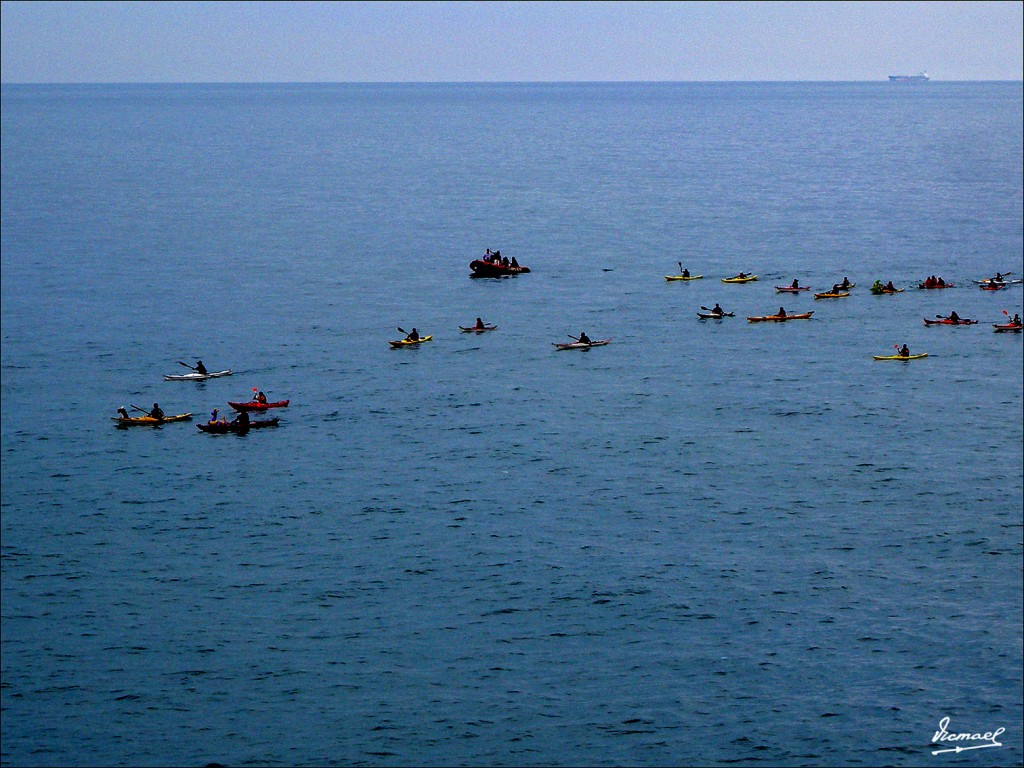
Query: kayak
<point x="791" y="289"/>
<point x="880" y="291"/>
<point x="483" y="268"/>
<point x="778" y="319"/>
<point x="149" y="421"/>
<point x="1001" y="327"/>
<point x="748" y="279"/>
<point x="255" y="406"/>
<point x="581" y="345"/>
<point x="947" y="321"/>
<point x="713" y="316"/>
<point x="934" y="287"/>
<point x="831" y="295"/>
<point x="992" y="286"/>
<point x="684" y="277"/>
<point x="224" y="427"/>
<point x="408" y="343"/>
<point x="197" y="376"/>
<point x="464" y="329"/>
<point x="999" y="282"/>
<point x="900" y="357"/>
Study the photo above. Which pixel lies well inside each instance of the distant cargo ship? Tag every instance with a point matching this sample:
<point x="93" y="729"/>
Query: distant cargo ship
<point x="918" y="78"/>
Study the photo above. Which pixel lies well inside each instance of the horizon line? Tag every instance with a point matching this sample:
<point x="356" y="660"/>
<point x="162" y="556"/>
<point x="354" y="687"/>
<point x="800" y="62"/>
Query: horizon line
<point x="460" y="82"/>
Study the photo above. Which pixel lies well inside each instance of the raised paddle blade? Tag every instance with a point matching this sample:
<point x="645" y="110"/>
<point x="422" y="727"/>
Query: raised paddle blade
<point x="186" y="365"/>
<point x="137" y="408"/>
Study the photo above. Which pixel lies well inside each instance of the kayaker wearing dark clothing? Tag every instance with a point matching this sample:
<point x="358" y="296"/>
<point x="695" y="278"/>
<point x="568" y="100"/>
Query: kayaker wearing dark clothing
<point x="514" y="263"/>
<point x="261" y="398"/>
<point x="414" y="335"/>
<point x="781" y="312"/>
<point x="156" y="413"/>
<point x="686" y="273"/>
<point x="846" y="283"/>
<point x="479" y="324"/>
<point x="122" y="412"/>
<point x="889" y="286"/>
<point x="717" y="310"/>
<point x="905" y="351"/>
<point x="796" y="284"/>
<point x="584" y="339"/>
<point x="200" y="368"/>
<point x="954" y="317"/>
<point x="241" y="420"/>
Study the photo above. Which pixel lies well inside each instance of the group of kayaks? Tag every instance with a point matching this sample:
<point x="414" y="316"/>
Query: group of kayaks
<point x="239" y="425"/>
<point x="842" y="290"/>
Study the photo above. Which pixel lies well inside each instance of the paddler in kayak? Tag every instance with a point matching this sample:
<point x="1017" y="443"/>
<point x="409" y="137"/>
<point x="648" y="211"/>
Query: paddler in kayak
<point x="413" y="335"/>
<point x="846" y="283"/>
<point x="889" y="286"/>
<point x="953" y="317"/>
<point x="480" y="325"/>
<point x="686" y="273"/>
<point x="200" y="368"/>
<point x="904" y="351"/>
<point x="583" y="339"/>
<point x="123" y="412"/>
<point x="781" y="312"/>
<point x="241" y="420"/>
<point x="261" y="398"/>
<point x="157" y="413"/>
<point x="717" y="310"/>
<point x="796" y="283"/>
<point x="740" y="276"/>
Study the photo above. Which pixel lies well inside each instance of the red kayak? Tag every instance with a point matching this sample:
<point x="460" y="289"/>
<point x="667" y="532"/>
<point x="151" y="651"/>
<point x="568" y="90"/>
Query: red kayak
<point x="483" y="268"/>
<point x="925" y="286"/>
<point x="1000" y="328"/>
<point x="947" y="321"/>
<point x="257" y="406"/>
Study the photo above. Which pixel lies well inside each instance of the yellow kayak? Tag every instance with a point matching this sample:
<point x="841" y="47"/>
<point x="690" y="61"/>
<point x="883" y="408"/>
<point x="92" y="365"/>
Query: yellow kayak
<point x="408" y="343"/>
<point x="747" y="279"/>
<point x="684" y="277"/>
<point x="149" y="421"/>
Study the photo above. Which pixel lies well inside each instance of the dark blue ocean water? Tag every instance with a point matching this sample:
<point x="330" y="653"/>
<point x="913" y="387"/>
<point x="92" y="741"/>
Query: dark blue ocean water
<point x="704" y="543"/>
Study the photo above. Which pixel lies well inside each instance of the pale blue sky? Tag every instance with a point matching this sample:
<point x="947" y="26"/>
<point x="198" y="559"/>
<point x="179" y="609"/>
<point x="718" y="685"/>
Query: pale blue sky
<point x="58" y="42"/>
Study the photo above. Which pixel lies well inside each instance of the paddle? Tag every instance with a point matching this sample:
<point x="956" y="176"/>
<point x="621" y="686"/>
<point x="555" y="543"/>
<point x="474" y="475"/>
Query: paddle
<point x="681" y="267"/>
<point x="574" y="338"/>
<point x="143" y="410"/>
<point x="187" y="365"/>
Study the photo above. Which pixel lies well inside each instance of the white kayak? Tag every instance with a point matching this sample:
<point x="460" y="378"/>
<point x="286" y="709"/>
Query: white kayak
<point x="197" y="376"/>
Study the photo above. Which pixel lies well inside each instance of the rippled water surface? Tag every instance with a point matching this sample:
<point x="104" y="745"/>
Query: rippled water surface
<point x="708" y="542"/>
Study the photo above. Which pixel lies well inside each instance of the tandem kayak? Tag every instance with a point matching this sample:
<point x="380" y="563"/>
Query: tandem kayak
<point x="747" y="279"/>
<point x="257" y="406"/>
<point x="408" y="342"/>
<point x="831" y="295"/>
<point x="925" y="287"/>
<point x="900" y="357"/>
<point x="714" y="316"/>
<point x="880" y="291"/>
<point x="947" y="321"/>
<point x="581" y="345"/>
<point x="196" y="376"/>
<point x="149" y="421"/>
<point x="1002" y="327"/>
<point x="474" y="329"/>
<point x="224" y="427"/>
<point x="780" y="318"/>
<point x="483" y="268"/>
<point x="791" y="289"/>
<point x="684" y="277"/>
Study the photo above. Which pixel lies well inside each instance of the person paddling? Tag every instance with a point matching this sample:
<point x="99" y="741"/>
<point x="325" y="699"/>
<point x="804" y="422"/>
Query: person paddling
<point x="480" y="325"/>
<point x="200" y="368"/>
<point x="781" y="312"/>
<point x="584" y="339"/>
<point x="157" y="413"/>
<point x="904" y="351"/>
<point x="413" y="335"/>
<point x="717" y="310"/>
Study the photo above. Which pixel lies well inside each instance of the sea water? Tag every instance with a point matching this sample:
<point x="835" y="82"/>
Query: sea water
<point x="708" y="542"/>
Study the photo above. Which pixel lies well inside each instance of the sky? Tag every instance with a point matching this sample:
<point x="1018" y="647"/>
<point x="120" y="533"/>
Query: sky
<point x="163" y="42"/>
